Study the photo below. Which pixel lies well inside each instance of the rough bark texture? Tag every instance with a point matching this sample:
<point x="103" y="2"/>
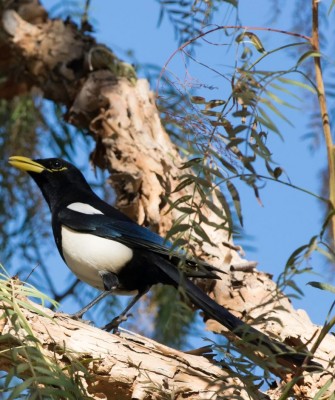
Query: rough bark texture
<point x="121" y="114"/>
<point x="125" y="366"/>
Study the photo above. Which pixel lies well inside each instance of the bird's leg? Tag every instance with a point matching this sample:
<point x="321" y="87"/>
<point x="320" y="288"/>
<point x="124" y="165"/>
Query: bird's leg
<point x="114" y="324"/>
<point x="81" y="312"/>
<point x="110" y="282"/>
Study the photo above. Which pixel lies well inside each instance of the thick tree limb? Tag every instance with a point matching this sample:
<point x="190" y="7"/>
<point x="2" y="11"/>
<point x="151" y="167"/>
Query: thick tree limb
<point x="125" y="366"/>
<point x="121" y="114"/>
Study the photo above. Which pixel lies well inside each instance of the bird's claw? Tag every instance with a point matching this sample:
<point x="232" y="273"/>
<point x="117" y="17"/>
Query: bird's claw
<point x="75" y="317"/>
<point x="113" y="326"/>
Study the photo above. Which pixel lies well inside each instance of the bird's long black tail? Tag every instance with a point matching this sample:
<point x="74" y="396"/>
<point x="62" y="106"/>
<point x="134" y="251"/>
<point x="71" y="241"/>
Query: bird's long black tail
<point x="227" y="319"/>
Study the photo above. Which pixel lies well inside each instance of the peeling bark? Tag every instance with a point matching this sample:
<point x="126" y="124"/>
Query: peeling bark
<point x="125" y="366"/>
<point x="131" y="142"/>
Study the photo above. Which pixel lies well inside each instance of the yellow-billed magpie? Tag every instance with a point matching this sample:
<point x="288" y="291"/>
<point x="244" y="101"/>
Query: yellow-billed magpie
<point x="110" y="252"/>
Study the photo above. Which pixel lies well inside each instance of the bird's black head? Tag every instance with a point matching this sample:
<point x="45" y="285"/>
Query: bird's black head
<point x="58" y="180"/>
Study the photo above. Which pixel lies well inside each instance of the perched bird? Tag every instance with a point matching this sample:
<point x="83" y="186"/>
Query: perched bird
<point x="110" y="252"/>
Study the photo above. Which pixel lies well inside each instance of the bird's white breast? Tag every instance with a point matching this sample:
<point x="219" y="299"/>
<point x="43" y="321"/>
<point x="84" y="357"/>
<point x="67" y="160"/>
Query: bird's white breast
<point x="87" y="254"/>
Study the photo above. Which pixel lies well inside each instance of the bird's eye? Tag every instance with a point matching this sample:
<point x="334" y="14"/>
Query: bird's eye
<point x="56" y="164"/>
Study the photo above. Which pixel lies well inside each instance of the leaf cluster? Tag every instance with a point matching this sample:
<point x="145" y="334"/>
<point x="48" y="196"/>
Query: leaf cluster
<point x="226" y="139"/>
<point x="31" y="371"/>
<point x="189" y="17"/>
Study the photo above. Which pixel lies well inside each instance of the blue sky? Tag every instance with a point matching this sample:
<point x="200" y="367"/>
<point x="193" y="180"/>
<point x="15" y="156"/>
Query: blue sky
<point x="288" y="218"/>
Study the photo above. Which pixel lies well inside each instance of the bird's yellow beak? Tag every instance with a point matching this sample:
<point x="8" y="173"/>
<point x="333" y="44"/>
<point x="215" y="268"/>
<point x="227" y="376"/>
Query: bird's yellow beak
<point x="26" y="164"/>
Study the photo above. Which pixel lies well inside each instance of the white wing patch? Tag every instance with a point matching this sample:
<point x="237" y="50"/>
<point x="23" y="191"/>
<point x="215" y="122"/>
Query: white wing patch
<point x="87" y="254"/>
<point x="83" y="208"/>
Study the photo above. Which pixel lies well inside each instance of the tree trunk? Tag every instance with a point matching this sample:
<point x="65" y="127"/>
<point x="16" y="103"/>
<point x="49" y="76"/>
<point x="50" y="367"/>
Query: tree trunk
<point x="120" y="112"/>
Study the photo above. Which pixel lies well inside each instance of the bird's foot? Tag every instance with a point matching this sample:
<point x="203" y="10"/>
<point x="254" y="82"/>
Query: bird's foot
<point x="113" y="326"/>
<point x="77" y="316"/>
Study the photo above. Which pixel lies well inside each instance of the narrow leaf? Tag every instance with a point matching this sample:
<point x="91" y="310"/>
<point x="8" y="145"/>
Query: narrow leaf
<point x="184" y="183"/>
<point x="297" y="83"/>
<point x="198" y="100"/>
<point x="198" y="229"/>
<point x="236" y="200"/>
<point x="211" y="113"/>
<point x="179" y="201"/>
<point x="225" y="163"/>
<point x="223" y="201"/>
<point x="308" y="54"/>
<point x="177" y="228"/>
<point x="191" y="163"/>
<point x="322" y="286"/>
<point x="198" y="180"/>
<point x="214" y="103"/>
<point x="234" y="142"/>
<point x="294" y="256"/>
<point x="322" y="393"/>
<point x="254" y="40"/>
<point x="273" y="108"/>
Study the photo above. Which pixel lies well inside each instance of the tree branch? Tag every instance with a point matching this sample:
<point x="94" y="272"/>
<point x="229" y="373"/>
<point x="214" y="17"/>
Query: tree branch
<point x="124" y="366"/>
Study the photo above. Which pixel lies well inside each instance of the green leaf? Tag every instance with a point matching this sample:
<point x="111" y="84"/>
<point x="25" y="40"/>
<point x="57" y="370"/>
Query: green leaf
<point x="234" y="3"/>
<point x="186" y="210"/>
<point x="279" y="100"/>
<point x="225" y="163"/>
<point x="228" y="166"/>
<point x="18" y="389"/>
<point x="326" y="222"/>
<point x="177" y="228"/>
<point x="198" y="100"/>
<point x="294" y="256"/>
<point x="236" y="200"/>
<point x="211" y="113"/>
<point x="308" y="54"/>
<point x="184" y="183"/>
<point x="208" y="171"/>
<point x="223" y="201"/>
<point x="191" y="163"/>
<point x="198" y="229"/>
<point x="217" y="123"/>
<point x="241" y="114"/>
<point x="198" y="180"/>
<point x="218" y="211"/>
<point x="234" y="142"/>
<point x="321" y="394"/>
<point x="266" y="121"/>
<point x="297" y="83"/>
<point x="294" y="286"/>
<point x="214" y="103"/>
<point x="179" y="201"/>
<point x="273" y="108"/>
<point x="254" y="39"/>
<point x="239" y="128"/>
<point x="322" y="286"/>
<point x="285" y="90"/>
<point x="259" y="142"/>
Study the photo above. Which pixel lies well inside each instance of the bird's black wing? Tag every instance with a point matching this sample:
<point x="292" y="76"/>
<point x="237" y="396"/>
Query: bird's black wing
<point x="135" y="236"/>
